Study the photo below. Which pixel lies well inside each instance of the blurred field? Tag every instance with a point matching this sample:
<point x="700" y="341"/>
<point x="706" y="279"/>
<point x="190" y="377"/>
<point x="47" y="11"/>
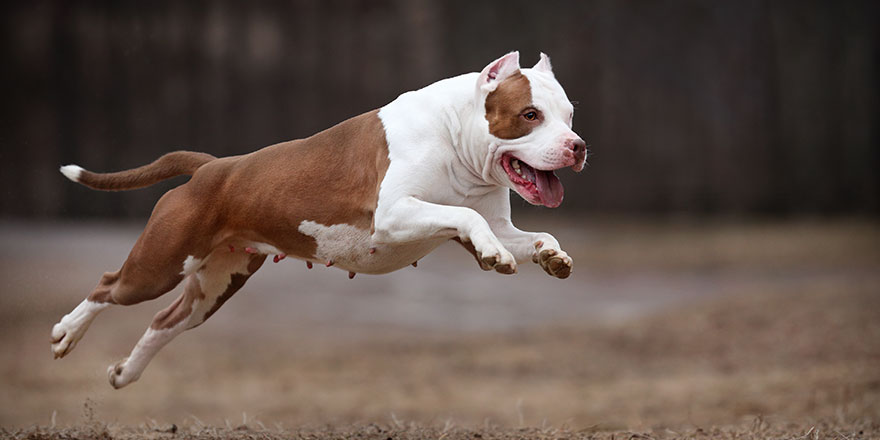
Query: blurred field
<point x="665" y="330"/>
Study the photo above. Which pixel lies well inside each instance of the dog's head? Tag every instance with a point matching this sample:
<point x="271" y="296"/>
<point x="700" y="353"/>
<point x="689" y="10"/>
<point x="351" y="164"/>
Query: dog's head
<point x="529" y="127"/>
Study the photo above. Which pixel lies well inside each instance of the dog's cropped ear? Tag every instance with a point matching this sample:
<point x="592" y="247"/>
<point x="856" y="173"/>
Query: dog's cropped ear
<point x="498" y="71"/>
<point x="543" y="64"/>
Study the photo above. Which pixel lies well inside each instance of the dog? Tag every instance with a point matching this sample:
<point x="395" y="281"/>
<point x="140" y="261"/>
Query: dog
<point x="372" y="194"/>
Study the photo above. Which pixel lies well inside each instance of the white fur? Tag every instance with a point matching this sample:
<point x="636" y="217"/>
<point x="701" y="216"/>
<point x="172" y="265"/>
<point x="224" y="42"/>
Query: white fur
<point x="67" y="332"/>
<point x="72" y="172"/>
<point x="340" y="243"/>
<point x="191" y="265"/>
<point x="130" y="369"/>
<point x="543" y="65"/>
<point x="444" y="177"/>
<point x="349" y="248"/>
<point x="265" y="248"/>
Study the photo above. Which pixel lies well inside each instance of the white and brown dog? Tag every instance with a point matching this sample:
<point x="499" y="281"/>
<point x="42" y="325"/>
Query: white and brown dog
<point x="372" y="194"/>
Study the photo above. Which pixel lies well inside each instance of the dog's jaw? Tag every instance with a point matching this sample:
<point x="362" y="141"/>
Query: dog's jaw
<point x="538" y="187"/>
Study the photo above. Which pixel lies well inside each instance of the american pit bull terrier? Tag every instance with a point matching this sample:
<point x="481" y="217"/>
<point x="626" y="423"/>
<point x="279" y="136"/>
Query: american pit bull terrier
<point x="372" y="194"/>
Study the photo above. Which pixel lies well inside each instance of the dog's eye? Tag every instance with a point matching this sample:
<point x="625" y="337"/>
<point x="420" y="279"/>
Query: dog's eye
<point x="531" y="115"/>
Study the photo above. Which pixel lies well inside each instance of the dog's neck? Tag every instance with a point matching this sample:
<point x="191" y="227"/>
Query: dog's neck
<point x="470" y="139"/>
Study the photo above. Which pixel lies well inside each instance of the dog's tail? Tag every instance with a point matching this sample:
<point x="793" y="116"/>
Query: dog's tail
<point x="170" y="165"/>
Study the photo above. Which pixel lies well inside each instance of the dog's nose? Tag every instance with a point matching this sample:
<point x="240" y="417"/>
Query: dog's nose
<point x="578" y="146"/>
<point x="578" y="149"/>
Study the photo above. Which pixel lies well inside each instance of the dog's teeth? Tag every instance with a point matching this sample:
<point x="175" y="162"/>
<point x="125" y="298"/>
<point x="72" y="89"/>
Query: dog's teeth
<point x="516" y="166"/>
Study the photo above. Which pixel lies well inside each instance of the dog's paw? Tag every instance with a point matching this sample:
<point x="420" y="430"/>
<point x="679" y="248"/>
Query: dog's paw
<point x="67" y="332"/>
<point x="494" y="256"/>
<point x="117" y="375"/>
<point x="555" y="262"/>
<point x="501" y="263"/>
<point x="64" y="338"/>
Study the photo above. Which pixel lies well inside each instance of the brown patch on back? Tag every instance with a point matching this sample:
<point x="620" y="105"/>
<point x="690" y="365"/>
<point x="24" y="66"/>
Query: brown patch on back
<point x="330" y="178"/>
<point x="505" y="104"/>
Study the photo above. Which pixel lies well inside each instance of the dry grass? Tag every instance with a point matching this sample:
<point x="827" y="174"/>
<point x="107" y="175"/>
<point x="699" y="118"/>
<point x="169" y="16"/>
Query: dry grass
<point x="754" y="430"/>
<point x="783" y="342"/>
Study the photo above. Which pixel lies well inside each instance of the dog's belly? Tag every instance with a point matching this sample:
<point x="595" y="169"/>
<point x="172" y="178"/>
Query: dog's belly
<point x="349" y="248"/>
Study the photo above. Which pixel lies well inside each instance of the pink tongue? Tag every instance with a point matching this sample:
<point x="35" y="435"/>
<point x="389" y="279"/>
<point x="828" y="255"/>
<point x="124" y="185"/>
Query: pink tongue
<point x="549" y="187"/>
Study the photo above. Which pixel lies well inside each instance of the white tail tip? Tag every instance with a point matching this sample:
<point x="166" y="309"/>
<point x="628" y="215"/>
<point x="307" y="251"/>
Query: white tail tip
<point x="72" y="172"/>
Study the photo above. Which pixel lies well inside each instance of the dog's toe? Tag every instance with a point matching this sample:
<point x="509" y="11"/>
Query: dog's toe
<point x="555" y="262"/>
<point x="506" y="268"/>
<point x="115" y="374"/>
<point x="494" y="256"/>
<point x="489" y="261"/>
<point x="59" y="350"/>
<point x="58" y="333"/>
<point x="560" y="267"/>
<point x="63" y="341"/>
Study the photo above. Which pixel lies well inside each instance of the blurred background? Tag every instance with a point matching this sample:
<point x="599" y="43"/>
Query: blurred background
<point x="725" y="235"/>
<point x="704" y="108"/>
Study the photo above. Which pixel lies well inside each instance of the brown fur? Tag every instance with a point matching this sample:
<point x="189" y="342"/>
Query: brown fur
<point x="332" y="177"/>
<point x="170" y="165"/>
<point x="102" y="291"/>
<point x="505" y="105"/>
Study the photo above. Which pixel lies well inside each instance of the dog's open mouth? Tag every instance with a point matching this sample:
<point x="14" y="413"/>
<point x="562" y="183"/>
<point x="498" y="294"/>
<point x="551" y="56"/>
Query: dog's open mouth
<point x="536" y="186"/>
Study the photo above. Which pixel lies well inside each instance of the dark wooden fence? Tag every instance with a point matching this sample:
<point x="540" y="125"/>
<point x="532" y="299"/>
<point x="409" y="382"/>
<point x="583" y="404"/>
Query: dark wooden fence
<point x="697" y="107"/>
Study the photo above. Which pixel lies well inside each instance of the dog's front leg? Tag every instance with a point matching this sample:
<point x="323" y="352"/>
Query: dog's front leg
<point x="410" y="219"/>
<point x="541" y="247"/>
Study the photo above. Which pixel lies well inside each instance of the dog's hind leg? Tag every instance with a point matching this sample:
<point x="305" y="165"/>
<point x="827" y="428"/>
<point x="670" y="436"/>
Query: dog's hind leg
<point x="71" y="328"/>
<point x="221" y="275"/>
<point x="156" y="265"/>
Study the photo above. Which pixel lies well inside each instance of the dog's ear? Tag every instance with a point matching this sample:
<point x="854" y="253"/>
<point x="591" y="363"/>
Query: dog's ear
<point x="498" y="71"/>
<point x="543" y="64"/>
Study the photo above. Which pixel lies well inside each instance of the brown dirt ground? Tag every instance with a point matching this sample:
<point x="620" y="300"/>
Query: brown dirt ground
<point x="780" y="339"/>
